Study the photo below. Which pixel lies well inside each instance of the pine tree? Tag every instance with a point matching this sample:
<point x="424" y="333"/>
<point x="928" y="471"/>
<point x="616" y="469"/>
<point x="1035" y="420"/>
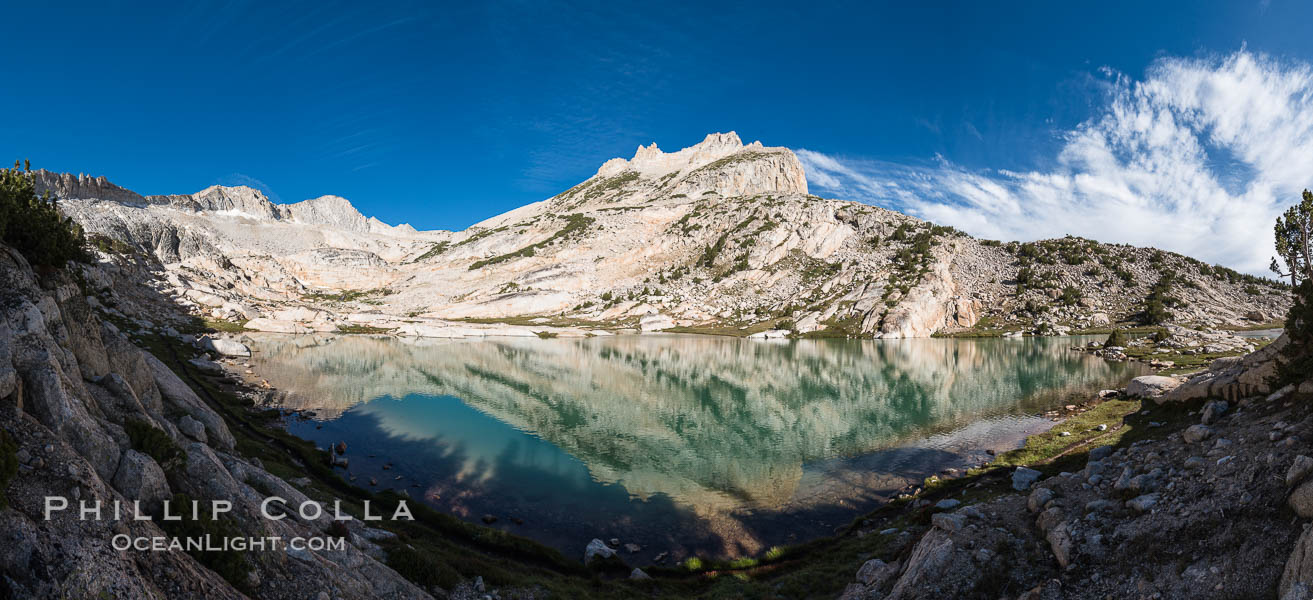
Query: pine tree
<point x="1294" y="244"/>
<point x="33" y="225"/>
<point x="1294" y="232"/>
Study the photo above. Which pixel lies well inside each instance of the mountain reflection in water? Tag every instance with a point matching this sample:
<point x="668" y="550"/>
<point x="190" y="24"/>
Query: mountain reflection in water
<point x="682" y="443"/>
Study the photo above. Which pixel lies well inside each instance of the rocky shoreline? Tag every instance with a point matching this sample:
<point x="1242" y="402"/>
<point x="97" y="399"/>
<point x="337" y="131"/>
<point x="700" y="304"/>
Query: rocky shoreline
<point x="1177" y="349"/>
<point x="1202" y="498"/>
<point x="95" y="419"/>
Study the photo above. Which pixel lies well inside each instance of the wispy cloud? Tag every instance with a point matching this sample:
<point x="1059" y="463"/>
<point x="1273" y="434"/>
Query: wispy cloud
<point x="1198" y="158"/>
<point x="971" y="129"/>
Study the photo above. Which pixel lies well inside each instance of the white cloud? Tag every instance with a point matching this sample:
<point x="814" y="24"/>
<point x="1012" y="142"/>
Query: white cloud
<point x="1197" y="158"/>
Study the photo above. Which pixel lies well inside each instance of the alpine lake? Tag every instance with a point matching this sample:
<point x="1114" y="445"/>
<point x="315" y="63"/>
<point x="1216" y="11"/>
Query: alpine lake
<point x="677" y="444"/>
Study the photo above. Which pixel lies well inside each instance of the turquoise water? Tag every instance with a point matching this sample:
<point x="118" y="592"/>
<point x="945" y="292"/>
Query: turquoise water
<point x="721" y="446"/>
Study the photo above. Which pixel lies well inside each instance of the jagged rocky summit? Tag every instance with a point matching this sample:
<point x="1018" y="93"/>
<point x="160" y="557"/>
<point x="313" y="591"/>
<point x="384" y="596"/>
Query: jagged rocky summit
<point x="720" y="236"/>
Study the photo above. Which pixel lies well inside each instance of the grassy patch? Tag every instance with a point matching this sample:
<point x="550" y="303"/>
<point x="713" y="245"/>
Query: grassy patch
<point x="363" y="329"/>
<point x="986" y="327"/>
<point x="420" y="568"/>
<point x="1181" y="363"/>
<point x="220" y="325"/>
<point x="1132" y="331"/>
<point x="348" y="295"/>
<point x="1255" y="327"/>
<point x="1184" y="363"/>
<point x="730" y="330"/>
<point x="555" y="321"/>
<point x="1046" y="446"/>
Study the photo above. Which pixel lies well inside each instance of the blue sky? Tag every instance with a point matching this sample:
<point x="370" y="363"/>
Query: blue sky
<point x="444" y="115"/>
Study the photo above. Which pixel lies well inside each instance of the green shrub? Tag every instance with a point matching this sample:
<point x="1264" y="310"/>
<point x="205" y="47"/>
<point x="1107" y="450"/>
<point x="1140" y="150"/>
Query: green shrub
<point x="421" y="569"/>
<point x="110" y="245"/>
<point x="231" y="565"/>
<point x="1160" y="299"/>
<point x="1118" y="338"/>
<point x="1121" y="272"/>
<point x="437" y="249"/>
<point x="709" y="255"/>
<point x="1025" y="278"/>
<point x="33" y="225"/>
<point x="1029" y="250"/>
<point x="1071" y="295"/>
<point x="154" y="442"/>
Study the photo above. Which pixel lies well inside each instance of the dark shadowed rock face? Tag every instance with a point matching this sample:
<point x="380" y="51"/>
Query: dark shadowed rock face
<point x="71" y="389"/>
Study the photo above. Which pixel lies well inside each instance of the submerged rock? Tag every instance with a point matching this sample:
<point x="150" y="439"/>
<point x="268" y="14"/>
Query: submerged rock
<point x="597" y="549"/>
